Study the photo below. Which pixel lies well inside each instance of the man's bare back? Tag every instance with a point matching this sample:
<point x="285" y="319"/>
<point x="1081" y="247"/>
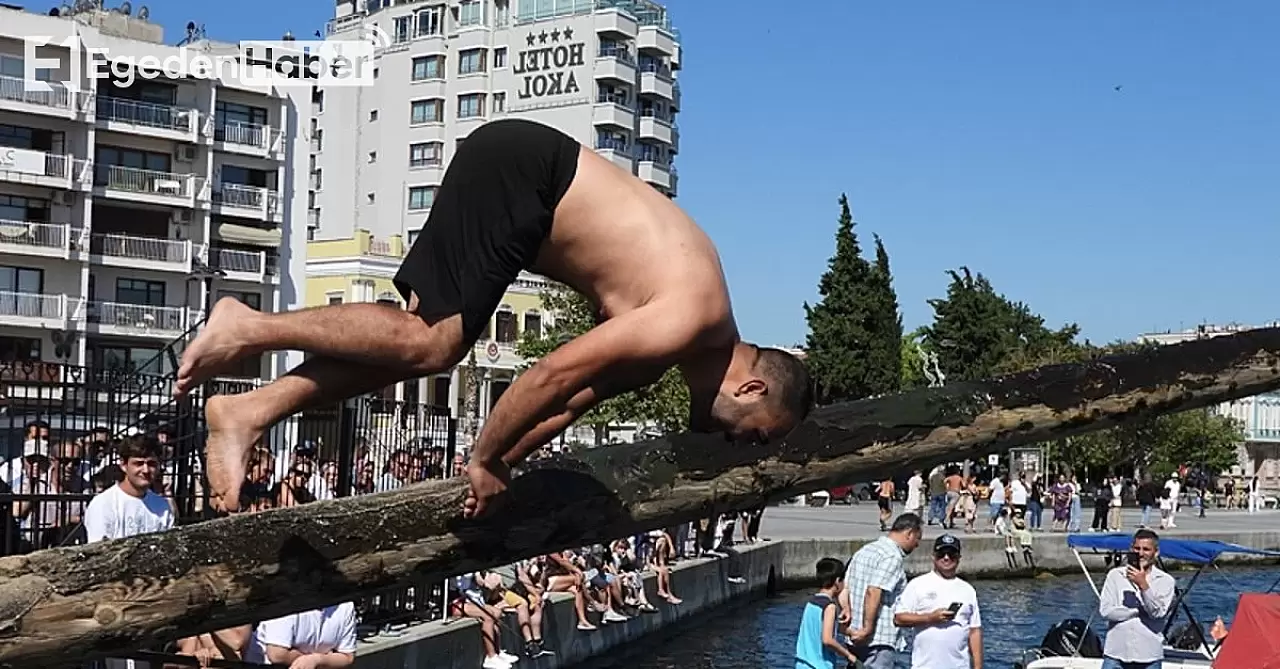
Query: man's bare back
<point x="517" y="196"/>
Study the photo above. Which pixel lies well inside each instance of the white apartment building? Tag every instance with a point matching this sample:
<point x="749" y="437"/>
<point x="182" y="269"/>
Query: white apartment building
<point x="125" y="210"/>
<point x="602" y="71"/>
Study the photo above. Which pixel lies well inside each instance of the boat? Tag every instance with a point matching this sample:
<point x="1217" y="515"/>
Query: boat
<point x="1072" y="643"/>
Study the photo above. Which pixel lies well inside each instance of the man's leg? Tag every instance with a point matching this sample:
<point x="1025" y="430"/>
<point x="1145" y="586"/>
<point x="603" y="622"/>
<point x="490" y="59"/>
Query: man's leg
<point x="373" y="334"/>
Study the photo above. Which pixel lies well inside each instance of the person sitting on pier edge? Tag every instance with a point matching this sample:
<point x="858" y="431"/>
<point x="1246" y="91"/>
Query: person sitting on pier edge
<point x="1135" y="602"/>
<point x="942" y="609"/>
<point x="817" y="646"/>
<point x="873" y="581"/>
<point x="517" y="195"/>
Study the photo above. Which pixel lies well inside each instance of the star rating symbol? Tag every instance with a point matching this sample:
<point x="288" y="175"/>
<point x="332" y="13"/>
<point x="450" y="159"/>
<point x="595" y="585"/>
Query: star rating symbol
<point x="529" y="39"/>
<point x="568" y="34"/>
<point x="555" y="35"/>
<point x="542" y="37"/>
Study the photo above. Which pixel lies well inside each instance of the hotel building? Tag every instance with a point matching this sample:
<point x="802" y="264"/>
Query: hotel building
<point x="126" y="209"/>
<point x="602" y="71"/>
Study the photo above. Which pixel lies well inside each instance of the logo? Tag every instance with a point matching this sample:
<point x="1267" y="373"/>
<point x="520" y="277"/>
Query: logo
<point x="333" y="62"/>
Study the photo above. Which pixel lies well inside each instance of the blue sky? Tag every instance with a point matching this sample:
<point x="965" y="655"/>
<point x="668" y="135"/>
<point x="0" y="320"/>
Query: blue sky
<point x="986" y="134"/>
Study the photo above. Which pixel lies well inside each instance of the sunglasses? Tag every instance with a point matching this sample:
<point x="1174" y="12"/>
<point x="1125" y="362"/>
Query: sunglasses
<point x="944" y="554"/>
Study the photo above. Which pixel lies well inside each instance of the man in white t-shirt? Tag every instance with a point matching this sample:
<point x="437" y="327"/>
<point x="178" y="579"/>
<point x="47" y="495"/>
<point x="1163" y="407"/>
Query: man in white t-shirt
<point x="129" y="507"/>
<point x="915" y="493"/>
<point x="323" y="638"/>
<point x="1174" y="488"/>
<point x="942" y="611"/>
<point x="1018" y="495"/>
<point x="996" y="502"/>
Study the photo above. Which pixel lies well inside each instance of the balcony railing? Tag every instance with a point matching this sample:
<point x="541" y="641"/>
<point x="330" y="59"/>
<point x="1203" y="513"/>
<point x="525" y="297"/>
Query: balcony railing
<point x="313" y="218"/>
<point x="147" y="114"/>
<point x="229" y="260"/>
<point x="34" y="235"/>
<point x="613" y="144"/>
<point x="613" y="98"/>
<point x="154" y="249"/>
<point x="31" y="305"/>
<point x="616" y="51"/>
<point x="139" y="316"/>
<point x="239" y="195"/>
<point x="649" y="112"/>
<point x="14" y="89"/>
<point x="662" y="70"/>
<point x="136" y="180"/>
<point x="245" y="134"/>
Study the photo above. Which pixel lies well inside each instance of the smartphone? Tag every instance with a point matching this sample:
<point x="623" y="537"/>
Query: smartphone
<point x="1134" y="560"/>
<point x="955" y="607"/>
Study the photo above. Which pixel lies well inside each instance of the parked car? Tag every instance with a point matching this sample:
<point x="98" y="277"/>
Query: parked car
<point x="853" y="493"/>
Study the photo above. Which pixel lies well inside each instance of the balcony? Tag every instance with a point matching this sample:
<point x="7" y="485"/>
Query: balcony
<point x="675" y="96"/>
<point x="28" y="238"/>
<point x="613" y="111"/>
<point x="247" y="138"/>
<point x="653" y="38"/>
<point x="118" y="318"/>
<point x="617" y="152"/>
<point x="655" y="83"/>
<point x="656" y="173"/>
<point x="37" y="168"/>
<point x="652" y="127"/>
<point x="146" y="118"/>
<point x="131" y="183"/>
<point x="15" y="97"/>
<point x="617" y="23"/>
<point x="250" y="201"/>
<point x="239" y="265"/>
<point x="152" y="253"/>
<point x="616" y="62"/>
<point x="33" y="310"/>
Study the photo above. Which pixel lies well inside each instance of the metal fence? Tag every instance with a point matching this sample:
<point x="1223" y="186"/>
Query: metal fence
<point x="60" y="424"/>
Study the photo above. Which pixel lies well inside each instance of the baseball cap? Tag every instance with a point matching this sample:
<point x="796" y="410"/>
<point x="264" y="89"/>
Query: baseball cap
<point x="946" y="542"/>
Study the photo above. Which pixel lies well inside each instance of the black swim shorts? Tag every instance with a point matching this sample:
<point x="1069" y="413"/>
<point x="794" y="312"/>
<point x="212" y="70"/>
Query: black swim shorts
<point x="491" y="214"/>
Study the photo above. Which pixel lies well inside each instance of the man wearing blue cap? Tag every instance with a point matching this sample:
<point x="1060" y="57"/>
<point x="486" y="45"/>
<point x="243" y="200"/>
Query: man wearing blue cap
<point x="942" y="610"/>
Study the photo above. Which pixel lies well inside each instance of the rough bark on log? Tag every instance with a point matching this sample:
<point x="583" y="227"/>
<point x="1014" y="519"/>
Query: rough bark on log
<point x="59" y="606"/>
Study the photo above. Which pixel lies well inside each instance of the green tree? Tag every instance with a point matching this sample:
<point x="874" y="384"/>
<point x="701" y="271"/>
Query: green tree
<point x="845" y="347"/>
<point x="663" y="405"/>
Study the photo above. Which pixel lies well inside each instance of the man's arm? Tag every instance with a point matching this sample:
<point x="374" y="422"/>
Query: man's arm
<point x="1111" y="604"/>
<point x="975" y="646"/>
<point x="1157" y="597"/>
<point x="871" y="610"/>
<point x="619" y="355"/>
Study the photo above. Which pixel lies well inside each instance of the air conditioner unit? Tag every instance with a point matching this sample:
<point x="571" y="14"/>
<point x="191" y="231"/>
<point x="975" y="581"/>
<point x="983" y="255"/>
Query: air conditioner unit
<point x="185" y="153"/>
<point x="184" y="216"/>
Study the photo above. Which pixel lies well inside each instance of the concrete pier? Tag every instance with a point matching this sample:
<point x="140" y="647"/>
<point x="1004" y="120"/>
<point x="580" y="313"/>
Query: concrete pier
<point x="795" y="538"/>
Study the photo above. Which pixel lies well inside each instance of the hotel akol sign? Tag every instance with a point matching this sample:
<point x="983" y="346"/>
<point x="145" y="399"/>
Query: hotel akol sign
<point x="546" y="66"/>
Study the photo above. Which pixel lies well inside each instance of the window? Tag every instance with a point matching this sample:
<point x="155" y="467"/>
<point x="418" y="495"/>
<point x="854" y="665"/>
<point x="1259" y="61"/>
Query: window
<point x="428" y="22"/>
<point x="533" y="323"/>
<point x="649" y="153"/>
<point x="244" y="176"/>
<point x="440" y="391"/>
<point x="373" y="114"/>
<point x="421" y="197"/>
<point x="470" y="13"/>
<point x="128" y="359"/>
<point x="499" y="103"/>
<point x="317" y="101"/>
<point x="413" y="237"/>
<point x="426" y="154"/>
<point x="230" y="114"/>
<point x="21" y="280"/>
<point x="428" y="67"/>
<point x="140" y="291"/>
<point x="373" y="156"/>
<point x="618" y="95"/>
<point x="426" y="111"/>
<point x="20" y="137"/>
<point x="505" y="326"/>
<point x="26" y="209"/>
<point x="251" y="300"/>
<point x="317" y="140"/>
<point x="335" y="298"/>
<point x="471" y="105"/>
<point x="402" y="29"/>
<point x="317" y="180"/>
<point x="500" y="57"/>
<point x="12" y="66"/>
<point x="110" y="157"/>
<point x="16" y="349"/>
<point x="154" y="92"/>
<point x="471" y="61"/>
<point x="613" y="140"/>
<point x="372" y="197"/>
<point x="502" y="14"/>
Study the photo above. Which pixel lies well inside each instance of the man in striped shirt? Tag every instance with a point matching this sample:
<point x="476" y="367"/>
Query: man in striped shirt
<point x="873" y="580"/>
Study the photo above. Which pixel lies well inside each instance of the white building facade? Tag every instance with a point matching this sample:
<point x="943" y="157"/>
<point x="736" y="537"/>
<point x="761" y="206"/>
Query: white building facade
<point x="602" y="71"/>
<point x="1259" y="415"/>
<point x="124" y="210"/>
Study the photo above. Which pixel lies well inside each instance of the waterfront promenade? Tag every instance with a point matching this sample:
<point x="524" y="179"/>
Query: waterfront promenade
<point x="861" y="521"/>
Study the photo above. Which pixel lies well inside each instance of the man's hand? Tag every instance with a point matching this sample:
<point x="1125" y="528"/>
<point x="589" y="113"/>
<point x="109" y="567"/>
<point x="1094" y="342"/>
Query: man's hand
<point x="844" y="617"/>
<point x="859" y="636"/>
<point x="487" y="481"/>
<point x="308" y="661"/>
<point x="1138" y="578"/>
<point x="941" y="616"/>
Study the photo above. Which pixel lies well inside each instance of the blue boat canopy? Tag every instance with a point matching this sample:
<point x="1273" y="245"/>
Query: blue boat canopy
<point x="1198" y="551"/>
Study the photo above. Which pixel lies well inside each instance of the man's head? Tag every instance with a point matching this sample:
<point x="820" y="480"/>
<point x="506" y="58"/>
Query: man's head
<point x="140" y="460"/>
<point x="946" y="555"/>
<point x="906" y="531"/>
<point x="1147" y="545"/>
<point x="830" y="572"/>
<point x="759" y="394"/>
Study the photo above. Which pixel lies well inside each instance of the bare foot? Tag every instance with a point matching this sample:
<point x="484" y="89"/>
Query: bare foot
<point x="231" y="440"/>
<point x="220" y="343"/>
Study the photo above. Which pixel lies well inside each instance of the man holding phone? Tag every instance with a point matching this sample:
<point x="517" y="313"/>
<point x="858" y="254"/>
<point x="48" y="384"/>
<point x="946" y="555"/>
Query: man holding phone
<point x="1136" y="600"/>
<point x="943" y="611"/>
